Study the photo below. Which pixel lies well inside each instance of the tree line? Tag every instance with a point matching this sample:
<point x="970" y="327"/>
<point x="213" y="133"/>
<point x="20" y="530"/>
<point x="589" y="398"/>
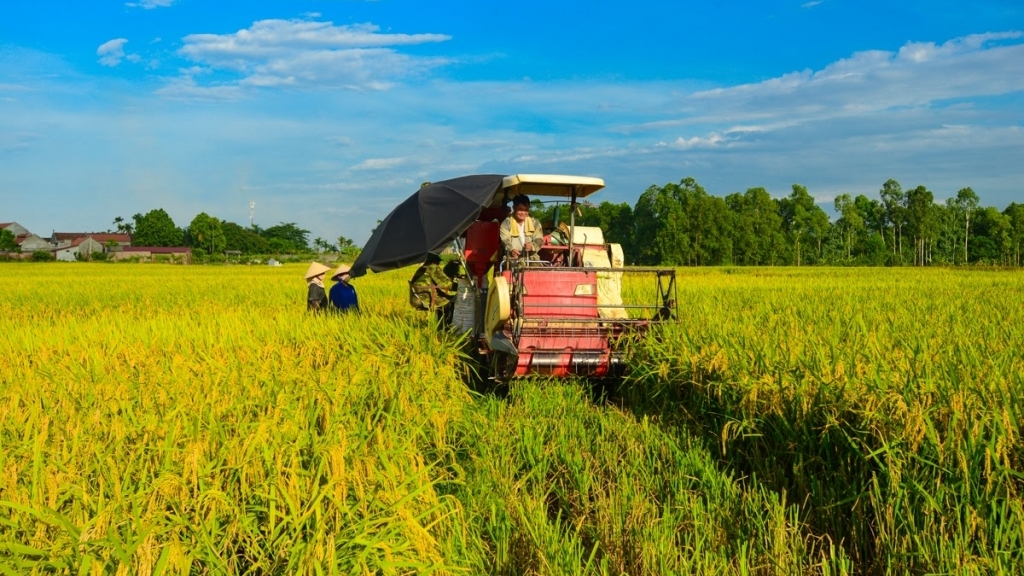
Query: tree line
<point x="207" y="234"/>
<point x="682" y="225"/>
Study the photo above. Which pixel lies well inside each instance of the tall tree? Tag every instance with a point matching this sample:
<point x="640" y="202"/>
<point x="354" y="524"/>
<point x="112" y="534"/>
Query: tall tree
<point x="873" y="213"/>
<point x="851" y="222"/>
<point x="894" y="201"/>
<point x="1015" y="212"/>
<point x="206" y="233"/>
<point x="156" y="228"/>
<point x="743" y="246"/>
<point x="660" y="230"/>
<point x="967" y="202"/>
<point x="716" y="247"/>
<point x="800" y="218"/>
<point x="993" y="233"/>
<point x="287" y="236"/>
<point x="947" y="232"/>
<point x="757" y="227"/>
<point x="920" y="216"/>
<point x="122" y="226"/>
<point x="347" y="249"/>
<point x="703" y="221"/>
<point x="243" y="239"/>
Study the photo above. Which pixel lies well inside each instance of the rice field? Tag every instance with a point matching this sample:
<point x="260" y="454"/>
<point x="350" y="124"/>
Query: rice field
<point x="194" y="420"/>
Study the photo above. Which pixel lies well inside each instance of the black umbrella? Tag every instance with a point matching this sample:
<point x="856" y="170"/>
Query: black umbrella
<point x="426" y="222"/>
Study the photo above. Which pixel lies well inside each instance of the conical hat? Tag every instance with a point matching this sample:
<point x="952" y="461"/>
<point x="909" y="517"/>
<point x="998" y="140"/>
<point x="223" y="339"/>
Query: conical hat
<point x="316" y="269"/>
<point x="344" y="268"/>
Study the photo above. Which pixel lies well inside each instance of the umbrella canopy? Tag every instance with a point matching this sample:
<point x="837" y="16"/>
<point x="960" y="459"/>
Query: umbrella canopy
<point x="426" y="222"/>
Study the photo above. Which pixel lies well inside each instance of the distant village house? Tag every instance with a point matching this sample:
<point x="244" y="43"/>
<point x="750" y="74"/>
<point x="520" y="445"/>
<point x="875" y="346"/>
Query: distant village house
<point x="76" y="246"/>
<point x="72" y="246"/>
<point x="26" y="241"/>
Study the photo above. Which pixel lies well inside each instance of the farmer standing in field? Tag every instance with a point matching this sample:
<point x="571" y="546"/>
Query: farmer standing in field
<point x="316" y="299"/>
<point x="343" y="294"/>
<point x="521" y="234"/>
<point x="431" y="289"/>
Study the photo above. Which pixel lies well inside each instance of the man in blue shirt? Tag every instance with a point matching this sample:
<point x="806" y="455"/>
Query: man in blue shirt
<point x="343" y="294"/>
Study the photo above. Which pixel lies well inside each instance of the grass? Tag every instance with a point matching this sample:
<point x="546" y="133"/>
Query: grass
<point x="188" y="420"/>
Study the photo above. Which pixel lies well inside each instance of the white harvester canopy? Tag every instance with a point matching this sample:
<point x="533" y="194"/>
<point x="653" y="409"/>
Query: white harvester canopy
<point x="550" y="185"/>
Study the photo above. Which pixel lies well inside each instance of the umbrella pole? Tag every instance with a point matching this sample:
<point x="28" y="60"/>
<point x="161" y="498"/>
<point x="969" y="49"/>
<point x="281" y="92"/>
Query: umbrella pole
<point x="572" y="223"/>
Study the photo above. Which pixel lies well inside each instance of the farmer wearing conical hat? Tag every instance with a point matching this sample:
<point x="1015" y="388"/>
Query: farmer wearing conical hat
<point x="316" y="301"/>
<point x="343" y="294"/>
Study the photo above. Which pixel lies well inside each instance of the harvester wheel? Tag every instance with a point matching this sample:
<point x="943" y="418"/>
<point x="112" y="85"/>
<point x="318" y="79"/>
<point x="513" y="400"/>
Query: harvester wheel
<point x="501" y="367"/>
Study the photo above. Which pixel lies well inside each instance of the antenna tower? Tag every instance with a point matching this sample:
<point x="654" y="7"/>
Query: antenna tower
<point x="252" y="211"/>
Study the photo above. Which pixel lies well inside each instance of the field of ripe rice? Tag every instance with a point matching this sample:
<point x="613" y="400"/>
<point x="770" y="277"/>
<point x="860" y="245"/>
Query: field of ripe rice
<point x="190" y="420"/>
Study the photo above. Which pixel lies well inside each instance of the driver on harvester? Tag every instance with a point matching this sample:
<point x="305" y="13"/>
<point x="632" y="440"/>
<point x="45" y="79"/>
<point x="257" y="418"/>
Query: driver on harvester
<point x="521" y="234"/>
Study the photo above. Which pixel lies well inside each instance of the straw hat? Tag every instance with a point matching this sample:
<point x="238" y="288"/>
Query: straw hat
<point x="315" y="269"/>
<point x="343" y="269"/>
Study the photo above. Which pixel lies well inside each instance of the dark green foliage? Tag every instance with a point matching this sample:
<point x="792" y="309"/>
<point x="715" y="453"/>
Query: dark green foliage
<point x="287" y="237"/>
<point x="122" y="226"/>
<point x="206" y="232"/>
<point x="244" y="240"/>
<point x="8" y="242"/>
<point x="1015" y="212"/>
<point x="347" y="249"/>
<point x="757" y="228"/>
<point x="803" y="222"/>
<point x="42" y="256"/>
<point x="156" y="228"/>
<point x="682" y="225"/>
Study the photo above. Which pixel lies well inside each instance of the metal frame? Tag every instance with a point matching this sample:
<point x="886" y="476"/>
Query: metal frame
<point x="521" y="321"/>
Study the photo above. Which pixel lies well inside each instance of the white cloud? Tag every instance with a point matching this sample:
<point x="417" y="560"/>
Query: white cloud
<point x="301" y="53"/>
<point x="186" y="88"/>
<point x="150" y="4"/>
<point x="919" y="73"/>
<point x="711" y="140"/>
<point x="111" y="52"/>
<point x="811" y="4"/>
<point x="380" y="163"/>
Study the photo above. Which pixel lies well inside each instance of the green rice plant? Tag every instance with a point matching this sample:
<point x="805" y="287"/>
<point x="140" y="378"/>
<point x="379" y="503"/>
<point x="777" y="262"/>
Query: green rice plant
<point x="171" y="420"/>
<point x="886" y="403"/>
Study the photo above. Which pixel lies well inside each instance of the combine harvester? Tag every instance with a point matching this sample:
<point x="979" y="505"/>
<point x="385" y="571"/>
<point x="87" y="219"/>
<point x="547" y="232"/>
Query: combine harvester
<point x="567" y="312"/>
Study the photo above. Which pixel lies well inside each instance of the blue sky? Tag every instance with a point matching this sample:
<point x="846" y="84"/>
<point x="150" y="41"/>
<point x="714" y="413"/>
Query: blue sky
<point x="328" y="113"/>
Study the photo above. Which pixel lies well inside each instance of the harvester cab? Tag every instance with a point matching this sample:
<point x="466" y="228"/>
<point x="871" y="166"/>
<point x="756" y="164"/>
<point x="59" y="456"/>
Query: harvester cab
<point x="569" y="309"/>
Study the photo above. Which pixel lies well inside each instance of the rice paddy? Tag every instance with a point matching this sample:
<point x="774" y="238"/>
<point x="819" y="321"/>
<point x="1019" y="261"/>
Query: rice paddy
<point x="195" y="420"/>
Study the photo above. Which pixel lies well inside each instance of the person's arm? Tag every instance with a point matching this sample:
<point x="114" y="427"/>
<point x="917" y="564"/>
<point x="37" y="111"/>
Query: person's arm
<point x="313" y="298"/>
<point x="505" y="232"/>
